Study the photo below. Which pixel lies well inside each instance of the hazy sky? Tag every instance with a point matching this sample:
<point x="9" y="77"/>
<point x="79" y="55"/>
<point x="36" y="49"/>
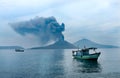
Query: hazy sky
<point x="97" y="20"/>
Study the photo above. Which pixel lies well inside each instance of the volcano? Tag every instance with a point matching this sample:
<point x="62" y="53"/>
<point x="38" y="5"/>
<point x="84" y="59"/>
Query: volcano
<point x="61" y="44"/>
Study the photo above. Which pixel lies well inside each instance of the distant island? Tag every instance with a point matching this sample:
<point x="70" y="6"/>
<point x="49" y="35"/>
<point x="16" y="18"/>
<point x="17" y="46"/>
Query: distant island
<point x="11" y="47"/>
<point x="88" y="43"/>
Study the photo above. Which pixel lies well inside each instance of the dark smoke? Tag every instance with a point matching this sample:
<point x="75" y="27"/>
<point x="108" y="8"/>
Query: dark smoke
<point x="45" y="29"/>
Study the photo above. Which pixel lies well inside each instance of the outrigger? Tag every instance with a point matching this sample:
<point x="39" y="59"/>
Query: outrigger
<point x="84" y="54"/>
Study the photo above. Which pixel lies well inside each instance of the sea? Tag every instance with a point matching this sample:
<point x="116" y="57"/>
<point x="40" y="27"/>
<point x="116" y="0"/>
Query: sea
<point x="58" y="63"/>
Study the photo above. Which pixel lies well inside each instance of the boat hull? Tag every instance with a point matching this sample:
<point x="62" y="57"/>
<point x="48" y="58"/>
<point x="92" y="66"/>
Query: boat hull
<point x="87" y="57"/>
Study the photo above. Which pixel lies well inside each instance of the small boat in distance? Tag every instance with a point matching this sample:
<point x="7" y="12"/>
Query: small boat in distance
<point x="84" y="54"/>
<point x="19" y="50"/>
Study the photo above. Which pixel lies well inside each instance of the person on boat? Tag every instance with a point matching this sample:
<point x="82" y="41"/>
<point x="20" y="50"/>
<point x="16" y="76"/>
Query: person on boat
<point x="85" y="51"/>
<point x="78" y="53"/>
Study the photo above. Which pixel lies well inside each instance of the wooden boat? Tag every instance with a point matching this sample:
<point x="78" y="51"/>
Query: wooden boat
<point x="19" y="50"/>
<point x="84" y="54"/>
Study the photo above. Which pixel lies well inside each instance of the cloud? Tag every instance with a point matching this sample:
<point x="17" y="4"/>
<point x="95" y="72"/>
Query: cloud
<point x="12" y="8"/>
<point x="45" y="29"/>
<point x="82" y="18"/>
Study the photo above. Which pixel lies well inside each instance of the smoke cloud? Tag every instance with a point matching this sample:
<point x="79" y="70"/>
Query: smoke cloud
<point x="45" y="29"/>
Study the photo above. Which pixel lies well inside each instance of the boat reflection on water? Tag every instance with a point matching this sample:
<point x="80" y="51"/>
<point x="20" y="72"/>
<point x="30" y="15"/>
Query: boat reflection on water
<point x="87" y="66"/>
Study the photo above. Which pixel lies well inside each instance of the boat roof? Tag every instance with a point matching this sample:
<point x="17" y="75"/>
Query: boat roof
<point x="86" y="49"/>
<point x="91" y="48"/>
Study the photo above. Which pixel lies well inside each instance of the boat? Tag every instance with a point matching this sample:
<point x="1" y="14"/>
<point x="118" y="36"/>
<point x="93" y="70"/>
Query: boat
<point x="19" y="50"/>
<point x="84" y="54"/>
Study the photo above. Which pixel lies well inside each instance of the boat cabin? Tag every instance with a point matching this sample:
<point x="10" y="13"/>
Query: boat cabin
<point x="82" y="52"/>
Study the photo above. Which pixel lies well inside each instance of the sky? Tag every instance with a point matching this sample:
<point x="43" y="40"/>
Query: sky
<point x="97" y="20"/>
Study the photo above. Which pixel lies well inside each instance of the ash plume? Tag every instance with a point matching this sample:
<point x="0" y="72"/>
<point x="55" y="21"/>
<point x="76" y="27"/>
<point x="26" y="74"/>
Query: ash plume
<point x="45" y="29"/>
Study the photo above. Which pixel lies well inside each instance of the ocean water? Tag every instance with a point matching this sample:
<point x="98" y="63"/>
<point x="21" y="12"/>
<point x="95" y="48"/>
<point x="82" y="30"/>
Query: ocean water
<point x="58" y="63"/>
